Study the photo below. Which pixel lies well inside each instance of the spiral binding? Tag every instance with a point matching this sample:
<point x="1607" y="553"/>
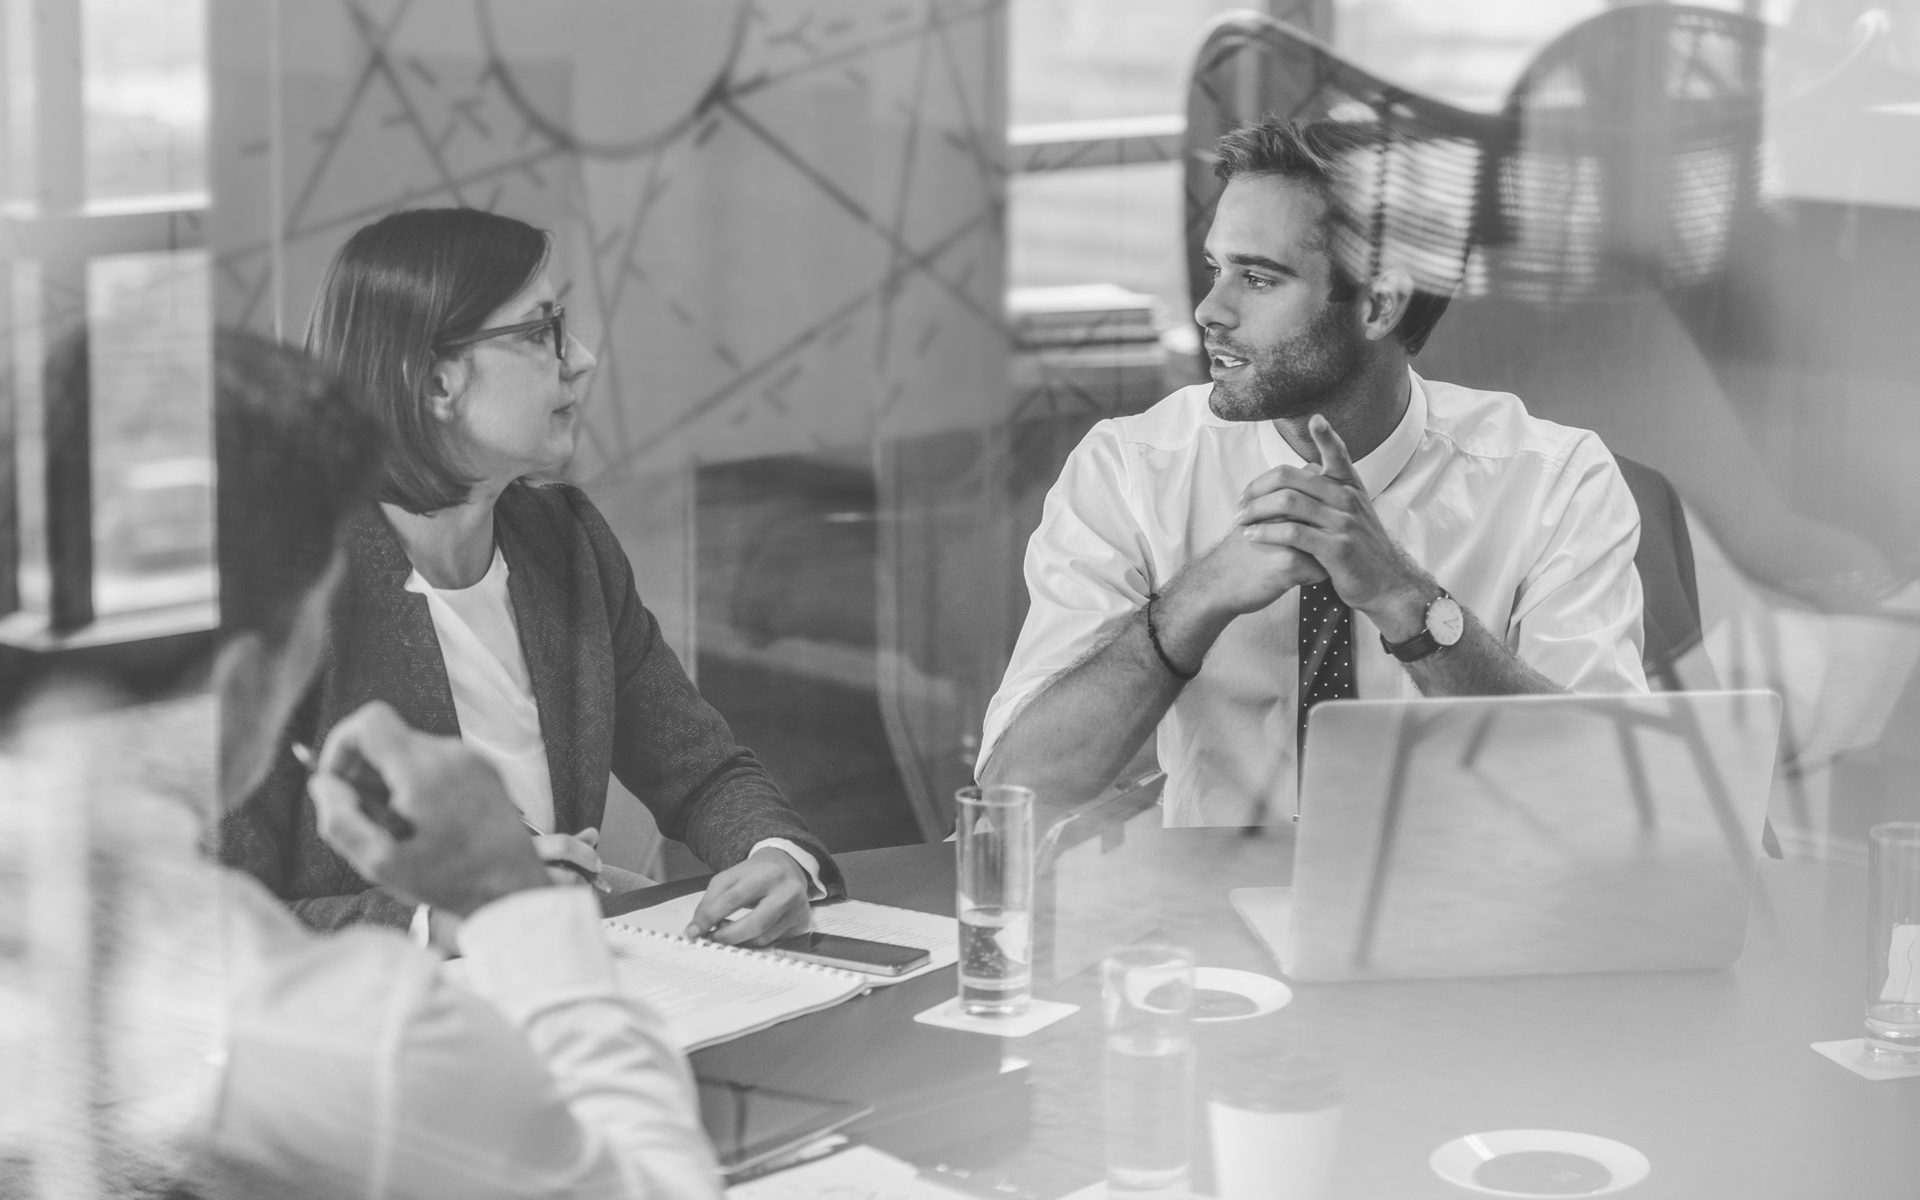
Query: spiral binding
<point x="744" y="952"/>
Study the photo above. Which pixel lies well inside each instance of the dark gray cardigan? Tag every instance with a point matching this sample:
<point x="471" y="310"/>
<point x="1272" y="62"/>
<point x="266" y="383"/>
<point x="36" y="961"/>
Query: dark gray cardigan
<point x="612" y="697"/>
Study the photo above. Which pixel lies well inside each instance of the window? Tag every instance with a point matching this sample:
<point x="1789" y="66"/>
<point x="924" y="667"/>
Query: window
<point x="106" y="510"/>
<point x="153" y="476"/>
<point x="1109" y="79"/>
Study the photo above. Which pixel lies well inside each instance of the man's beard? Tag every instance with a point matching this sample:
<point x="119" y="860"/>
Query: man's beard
<point x="1292" y="379"/>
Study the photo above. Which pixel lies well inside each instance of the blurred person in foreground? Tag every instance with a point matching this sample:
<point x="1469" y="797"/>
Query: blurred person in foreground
<point x="481" y="599"/>
<point x="353" y="1068"/>
<point x="1318" y="522"/>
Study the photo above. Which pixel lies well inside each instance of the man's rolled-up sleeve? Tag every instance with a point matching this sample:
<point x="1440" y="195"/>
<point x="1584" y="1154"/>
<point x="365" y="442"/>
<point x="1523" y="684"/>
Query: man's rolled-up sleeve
<point x="1087" y="571"/>
<point x="1577" y="619"/>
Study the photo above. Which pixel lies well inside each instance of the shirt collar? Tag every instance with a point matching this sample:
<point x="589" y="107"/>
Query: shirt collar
<point x="1388" y="459"/>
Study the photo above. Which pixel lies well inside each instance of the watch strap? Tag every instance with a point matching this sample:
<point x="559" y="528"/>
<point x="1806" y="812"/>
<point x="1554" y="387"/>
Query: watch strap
<point x="1413" y="649"/>
<point x="1420" y="644"/>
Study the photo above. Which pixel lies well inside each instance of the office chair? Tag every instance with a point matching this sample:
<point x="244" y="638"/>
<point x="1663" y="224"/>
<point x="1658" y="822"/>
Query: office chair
<point x="1633" y="154"/>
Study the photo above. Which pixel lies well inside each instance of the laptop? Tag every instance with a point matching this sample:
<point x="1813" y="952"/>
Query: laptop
<point x="1522" y="835"/>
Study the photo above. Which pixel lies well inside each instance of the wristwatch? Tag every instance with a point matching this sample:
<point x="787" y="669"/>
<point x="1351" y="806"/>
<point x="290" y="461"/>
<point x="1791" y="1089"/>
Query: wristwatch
<point x="1445" y="624"/>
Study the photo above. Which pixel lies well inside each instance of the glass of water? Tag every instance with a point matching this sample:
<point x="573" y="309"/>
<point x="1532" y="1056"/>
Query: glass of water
<point x="1147" y="1000"/>
<point x="1893" y="946"/>
<point x="994" y="842"/>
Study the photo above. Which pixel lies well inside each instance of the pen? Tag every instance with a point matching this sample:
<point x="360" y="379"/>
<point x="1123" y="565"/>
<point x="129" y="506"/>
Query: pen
<point x="598" y="884"/>
<point x="358" y="774"/>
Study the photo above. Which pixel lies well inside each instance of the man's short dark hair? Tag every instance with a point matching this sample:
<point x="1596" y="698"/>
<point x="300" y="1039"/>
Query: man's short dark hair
<point x="399" y="288"/>
<point x="1313" y="153"/>
<point x="297" y="451"/>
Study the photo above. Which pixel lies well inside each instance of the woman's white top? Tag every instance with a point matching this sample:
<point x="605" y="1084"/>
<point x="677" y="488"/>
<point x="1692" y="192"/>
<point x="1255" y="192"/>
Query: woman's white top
<point x="493" y="698"/>
<point x="492" y="689"/>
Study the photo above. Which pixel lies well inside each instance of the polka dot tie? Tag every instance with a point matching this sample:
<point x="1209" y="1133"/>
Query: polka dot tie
<point x="1326" y="650"/>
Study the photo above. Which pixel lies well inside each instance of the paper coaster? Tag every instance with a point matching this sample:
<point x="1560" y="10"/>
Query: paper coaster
<point x="1852" y="1054"/>
<point x="1039" y="1015"/>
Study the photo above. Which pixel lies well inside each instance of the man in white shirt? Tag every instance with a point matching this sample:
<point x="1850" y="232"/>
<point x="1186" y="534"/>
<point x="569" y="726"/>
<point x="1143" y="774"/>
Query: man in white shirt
<point x="352" y="1067"/>
<point x="1413" y="537"/>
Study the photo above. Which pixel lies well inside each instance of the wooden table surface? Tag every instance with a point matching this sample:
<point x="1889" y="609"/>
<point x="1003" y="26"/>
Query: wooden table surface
<point x="1708" y="1073"/>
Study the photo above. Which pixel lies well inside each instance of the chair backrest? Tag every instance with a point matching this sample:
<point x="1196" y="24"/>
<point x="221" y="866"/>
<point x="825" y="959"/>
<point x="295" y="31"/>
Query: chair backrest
<point x="1632" y="154"/>
<point x="1670" y="595"/>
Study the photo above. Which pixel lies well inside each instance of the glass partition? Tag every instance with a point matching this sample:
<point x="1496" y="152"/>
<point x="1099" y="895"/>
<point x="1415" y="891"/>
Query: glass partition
<point x="858" y="277"/>
<point x="1685" y="227"/>
<point x="780" y="228"/>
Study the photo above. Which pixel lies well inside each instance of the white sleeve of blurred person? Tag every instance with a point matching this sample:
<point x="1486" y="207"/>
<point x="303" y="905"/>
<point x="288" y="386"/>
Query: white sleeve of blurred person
<point x="379" y="1077"/>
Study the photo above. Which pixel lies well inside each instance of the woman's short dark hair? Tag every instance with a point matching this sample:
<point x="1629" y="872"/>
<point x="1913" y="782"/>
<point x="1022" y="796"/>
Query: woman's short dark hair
<point x="1311" y="152"/>
<point x="400" y="287"/>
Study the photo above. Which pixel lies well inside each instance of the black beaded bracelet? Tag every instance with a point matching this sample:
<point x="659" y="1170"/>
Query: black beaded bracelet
<point x="1153" y="635"/>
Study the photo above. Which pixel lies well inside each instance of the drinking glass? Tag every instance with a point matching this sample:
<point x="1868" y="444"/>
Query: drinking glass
<point x="994" y="841"/>
<point x="1893" y="948"/>
<point x="1147" y="1000"/>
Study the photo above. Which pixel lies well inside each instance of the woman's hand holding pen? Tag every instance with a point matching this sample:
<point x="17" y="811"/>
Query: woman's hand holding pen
<point x="571" y="857"/>
<point x="770" y="885"/>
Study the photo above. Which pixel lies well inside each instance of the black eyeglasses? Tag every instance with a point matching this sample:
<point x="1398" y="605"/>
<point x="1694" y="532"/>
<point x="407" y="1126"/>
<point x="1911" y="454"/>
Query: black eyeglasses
<point x="556" y="322"/>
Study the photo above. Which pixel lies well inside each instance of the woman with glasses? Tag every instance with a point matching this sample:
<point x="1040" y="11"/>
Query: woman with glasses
<point x="485" y="599"/>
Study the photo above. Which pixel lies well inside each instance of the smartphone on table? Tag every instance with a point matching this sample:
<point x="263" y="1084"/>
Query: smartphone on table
<point x="852" y="953"/>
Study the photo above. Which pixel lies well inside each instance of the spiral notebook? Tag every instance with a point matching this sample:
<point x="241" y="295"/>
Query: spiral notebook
<point x="709" y="993"/>
<point x="938" y="936"/>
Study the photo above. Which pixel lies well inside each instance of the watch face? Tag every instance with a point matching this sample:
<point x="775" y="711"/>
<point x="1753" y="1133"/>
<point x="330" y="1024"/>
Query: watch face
<point x="1445" y="621"/>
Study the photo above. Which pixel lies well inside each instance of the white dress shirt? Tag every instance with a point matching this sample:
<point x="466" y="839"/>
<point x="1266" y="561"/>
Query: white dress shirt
<point x="1527" y="523"/>
<point x="493" y="699"/>
<point x="355" y="1071"/>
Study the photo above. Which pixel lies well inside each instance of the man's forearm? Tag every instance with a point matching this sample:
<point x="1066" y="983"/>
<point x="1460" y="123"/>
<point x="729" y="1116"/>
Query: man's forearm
<point x="1479" y="664"/>
<point x="1075" y="736"/>
<point x="1080" y="731"/>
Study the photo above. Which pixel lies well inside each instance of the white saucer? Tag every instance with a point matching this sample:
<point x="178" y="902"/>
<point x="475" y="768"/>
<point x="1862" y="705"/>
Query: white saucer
<point x="1266" y="993"/>
<point x="1457" y="1161"/>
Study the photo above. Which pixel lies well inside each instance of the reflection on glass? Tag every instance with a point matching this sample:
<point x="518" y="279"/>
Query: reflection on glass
<point x="1695" y="233"/>
<point x="27" y="352"/>
<point x="1113" y="224"/>
<point x="1089" y="60"/>
<point x="1464" y="54"/>
<point x="112" y="984"/>
<point x="788" y="637"/>
<point x="17" y="109"/>
<point x="1147" y="1002"/>
<point x="152" y="432"/>
<point x="145" y="94"/>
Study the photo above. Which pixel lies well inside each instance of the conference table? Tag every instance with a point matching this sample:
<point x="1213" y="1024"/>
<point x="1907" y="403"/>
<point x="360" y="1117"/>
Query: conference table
<point x="1708" y="1073"/>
